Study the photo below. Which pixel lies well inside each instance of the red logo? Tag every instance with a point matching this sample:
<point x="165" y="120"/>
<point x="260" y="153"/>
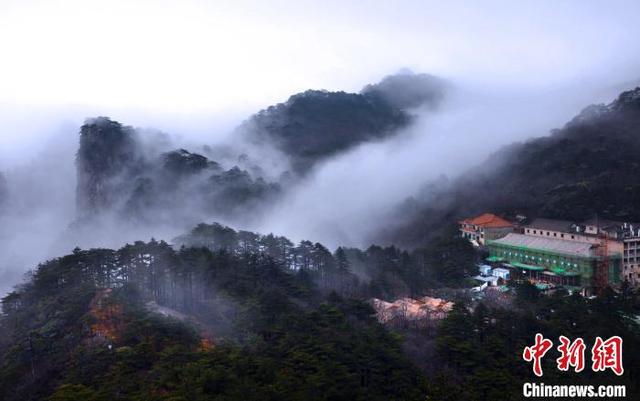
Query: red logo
<point x="604" y="354"/>
<point x="572" y="354"/>
<point x="607" y="355"/>
<point x="536" y="352"/>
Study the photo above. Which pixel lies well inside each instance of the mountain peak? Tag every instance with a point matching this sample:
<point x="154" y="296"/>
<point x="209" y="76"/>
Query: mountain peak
<point x="407" y="90"/>
<point x="626" y="101"/>
<point x="107" y="149"/>
<point x="317" y="124"/>
<point x="629" y="100"/>
<point x="183" y="162"/>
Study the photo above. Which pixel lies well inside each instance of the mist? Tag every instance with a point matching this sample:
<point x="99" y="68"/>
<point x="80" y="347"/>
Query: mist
<point x="350" y="198"/>
<point x="38" y="163"/>
<point x="188" y="76"/>
<point x="343" y="201"/>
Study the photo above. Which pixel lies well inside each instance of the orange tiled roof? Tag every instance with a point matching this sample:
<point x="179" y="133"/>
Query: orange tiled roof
<point x="488" y="220"/>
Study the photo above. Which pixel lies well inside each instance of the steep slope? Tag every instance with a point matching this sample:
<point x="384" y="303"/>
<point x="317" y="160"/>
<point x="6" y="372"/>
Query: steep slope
<point x="126" y="173"/>
<point x="93" y="325"/>
<point x="118" y="175"/>
<point x="108" y="152"/>
<point x="314" y="125"/>
<point x="81" y="328"/>
<point x="591" y="165"/>
<point x="406" y="91"/>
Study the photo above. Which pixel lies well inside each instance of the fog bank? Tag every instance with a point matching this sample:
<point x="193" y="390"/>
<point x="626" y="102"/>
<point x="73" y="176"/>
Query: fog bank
<point x="352" y="197"/>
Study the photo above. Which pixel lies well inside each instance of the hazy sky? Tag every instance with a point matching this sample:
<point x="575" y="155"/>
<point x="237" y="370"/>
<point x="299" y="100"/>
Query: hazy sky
<point x="183" y="63"/>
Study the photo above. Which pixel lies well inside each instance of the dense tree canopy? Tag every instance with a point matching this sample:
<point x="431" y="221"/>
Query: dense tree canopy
<point x="314" y="125"/>
<point x="288" y="322"/>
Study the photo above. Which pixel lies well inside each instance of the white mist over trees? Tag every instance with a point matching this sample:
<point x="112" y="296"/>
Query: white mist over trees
<point x="134" y="183"/>
<point x="108" y="183"/>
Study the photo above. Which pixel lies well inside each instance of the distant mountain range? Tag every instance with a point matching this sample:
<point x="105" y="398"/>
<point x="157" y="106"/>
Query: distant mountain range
<point x="236" y="315"/>
<point x="119" y="171"/>
<point x="116" y="174"/>
<point x="591" y="165"/>
<point x="314" y="125"/>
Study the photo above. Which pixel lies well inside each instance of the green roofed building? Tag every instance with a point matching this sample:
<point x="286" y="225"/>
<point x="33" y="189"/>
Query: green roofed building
<point x="552" y="260"/>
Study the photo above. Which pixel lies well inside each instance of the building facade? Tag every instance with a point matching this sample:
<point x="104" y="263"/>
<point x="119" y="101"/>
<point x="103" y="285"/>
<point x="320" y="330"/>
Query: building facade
<point x="560" y="251"/>
<point x="591" y="231"/>
<point x="631" y="260"/>
<point x="557" y="229"/>
<point x="551" y="260"/>
<point x="485" y="227"/>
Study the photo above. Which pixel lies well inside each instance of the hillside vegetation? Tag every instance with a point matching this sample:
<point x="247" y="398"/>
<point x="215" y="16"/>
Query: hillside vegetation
<point x="314" y="125"/>
<point x="591" y="165"/>
<point x="234" y="315"/>
<point x="251" y="317"/>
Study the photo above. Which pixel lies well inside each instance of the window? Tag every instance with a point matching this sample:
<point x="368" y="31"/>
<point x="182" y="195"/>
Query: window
<point x="555" y="234"/>
<point x="547" y="233"/>
<point x="561" y="235"/>
<point x="573" y="237"/>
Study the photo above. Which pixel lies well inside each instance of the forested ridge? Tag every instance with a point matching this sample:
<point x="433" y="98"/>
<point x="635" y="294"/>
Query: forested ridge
<point x="121" y="176"/>
<point x="141" y="177"/>
<point x="258" y="318"/>
<point x="316" y="124"/>
<point x="230" y="315"/>
<point x="590" y="166"/>
<point x="221" y="314"/>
